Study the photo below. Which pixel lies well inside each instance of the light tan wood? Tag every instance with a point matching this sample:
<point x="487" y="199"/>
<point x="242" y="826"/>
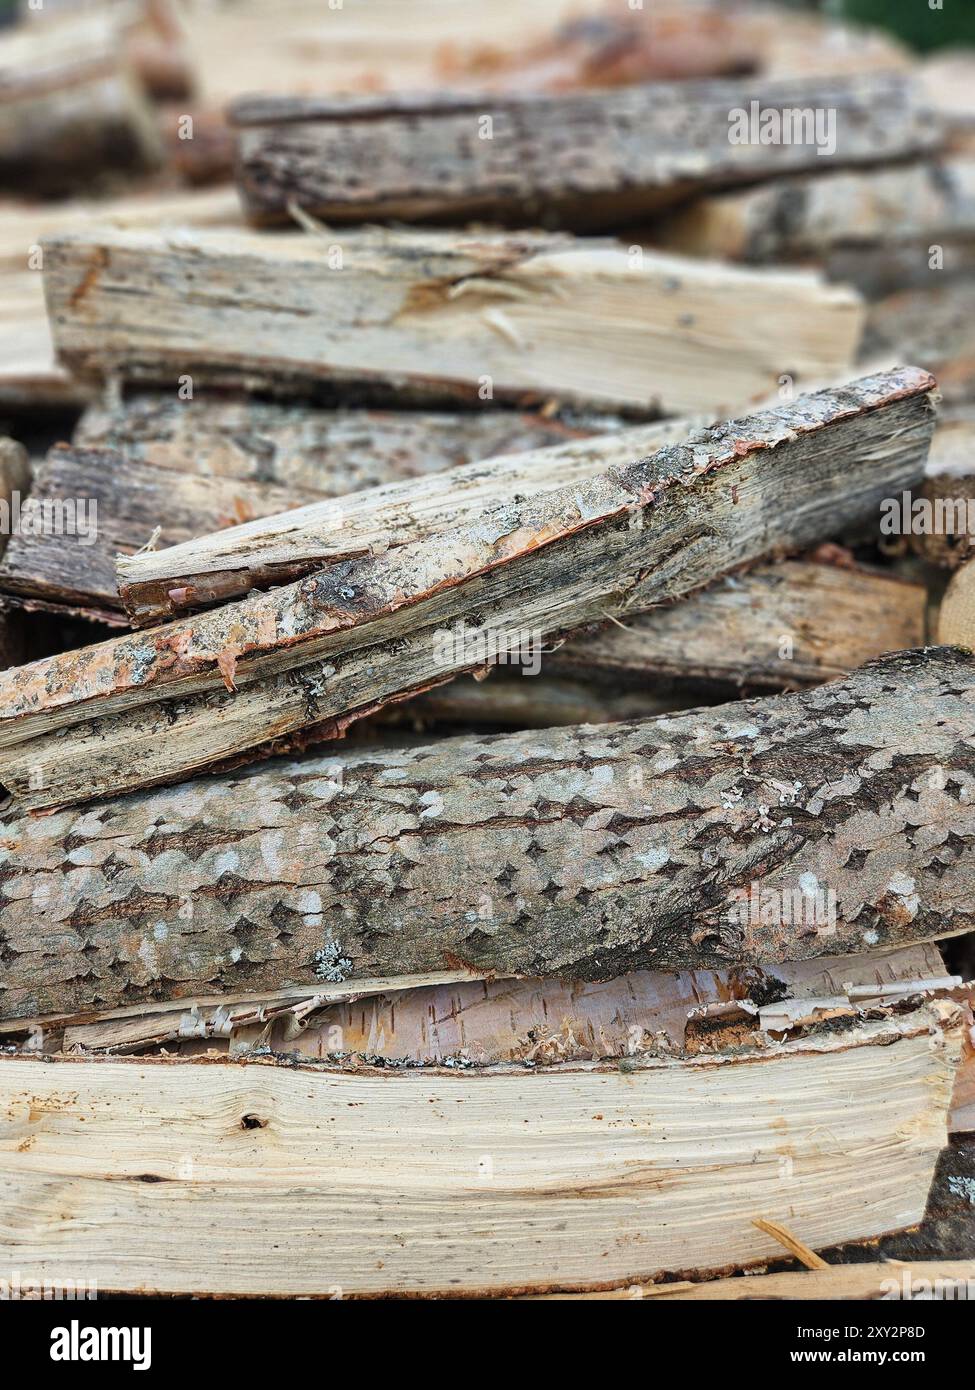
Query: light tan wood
<point x="951" y="1280"/>
<point x="440" y="1183"/>
<point x="442" y="315"/>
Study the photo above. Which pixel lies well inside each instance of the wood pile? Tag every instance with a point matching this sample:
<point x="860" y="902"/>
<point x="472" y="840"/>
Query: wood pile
<point x="487" y="652"/>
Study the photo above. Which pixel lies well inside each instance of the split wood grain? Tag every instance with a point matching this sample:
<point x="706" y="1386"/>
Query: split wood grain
<point x="305" y="660"/>
<point x="442" y="1183"/>
<point x="441" y="316"/>
<point x="784" y="828"/>
<point x="590" y="159"/>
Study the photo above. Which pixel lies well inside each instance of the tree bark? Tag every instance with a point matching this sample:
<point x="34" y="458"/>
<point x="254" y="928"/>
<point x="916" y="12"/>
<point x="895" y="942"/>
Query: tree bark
<point x="309" y="658"/>
<point x="211" y="569"/>
<point x="695" y="841"/>
<point x="439" y="316"/>
<point x="187" y="471"/>
<point x="568" y="159"/>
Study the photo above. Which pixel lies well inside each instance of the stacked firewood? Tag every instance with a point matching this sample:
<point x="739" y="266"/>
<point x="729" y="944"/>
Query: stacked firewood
<point x="486" y="812"/>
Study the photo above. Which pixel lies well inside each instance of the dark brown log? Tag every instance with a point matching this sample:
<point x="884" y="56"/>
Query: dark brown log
<point x="829" y="822"/>
<point x="307" y="659"/>
<point x="567" y="159"/>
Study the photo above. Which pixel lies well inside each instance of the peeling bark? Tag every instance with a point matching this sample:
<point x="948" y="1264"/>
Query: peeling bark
<point x="279" y="548"/>
<point x="568" y="159"/>
<point x="191" y="471"/>
<point x="303" y="661"/>
<point x="582" y="853"/>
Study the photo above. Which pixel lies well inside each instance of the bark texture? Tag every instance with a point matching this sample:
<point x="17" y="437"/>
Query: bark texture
<point x="277" y="549"/>
<point x="189" y="470"/>
<point x="311" y="657"/>
<point x="569" y="159"/>
<point x="438" y="316"/>
<point x="677" y="844"/>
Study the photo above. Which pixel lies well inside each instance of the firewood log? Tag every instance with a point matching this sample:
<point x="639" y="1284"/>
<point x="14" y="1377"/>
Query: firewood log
<point x="441" y="316"/>
<point x="780" y="828"/>
<point x="441" y="1183"/>
<point x="567" y="159"/>
<point x="306" y="659"/>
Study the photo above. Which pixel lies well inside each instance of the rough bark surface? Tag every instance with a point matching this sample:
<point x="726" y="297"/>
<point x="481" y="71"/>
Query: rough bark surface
<point x="580" y="159"/>
<point x="310" y="657"/>
<point x="582" y="852"/>
<point x="276" y="549"/>
<point x="192" y="467"/>
<point x="440" y="316"/>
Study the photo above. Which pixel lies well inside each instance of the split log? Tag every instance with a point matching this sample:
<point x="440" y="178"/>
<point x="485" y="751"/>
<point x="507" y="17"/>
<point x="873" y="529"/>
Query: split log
<point x="28" y="373"/>
<point x="441" y="316"/>
<point x="316" y="453"/>
<point x="70" y="105"/>
<point x="566" y="159"/>
<point x="307" y="659"/>
<point x="173" y="1158"/>
<point x="779" y="627"/>
<point x="185" y="472"/>
<point x="784" y="828"/>
<point x="810" y="215"/>
<point x="274" y="550"/>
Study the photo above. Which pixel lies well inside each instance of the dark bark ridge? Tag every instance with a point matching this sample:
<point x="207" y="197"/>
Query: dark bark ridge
<point x="580" y="852"/>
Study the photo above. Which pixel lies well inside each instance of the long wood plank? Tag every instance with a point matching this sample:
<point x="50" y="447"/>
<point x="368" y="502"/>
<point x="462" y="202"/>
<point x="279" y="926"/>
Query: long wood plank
<point x="441" y="316"/>
<point x="580" y="159"/>
<point x="313" y="656"/>
<point x="445" y="1183"/>
<point x="828" y="822"/>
